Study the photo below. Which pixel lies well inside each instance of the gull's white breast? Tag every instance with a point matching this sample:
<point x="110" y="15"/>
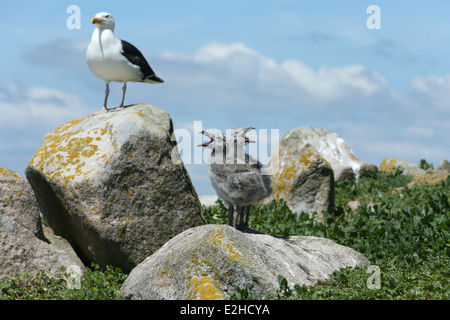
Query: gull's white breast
<point x="104" y="58"/>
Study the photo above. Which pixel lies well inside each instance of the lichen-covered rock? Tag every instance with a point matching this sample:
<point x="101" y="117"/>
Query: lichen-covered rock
<point x="114" y="186"/>
<point x="210" y="262"/>
<point x="23" y="245"/>
<point x="18" y="204"/>
<point x="302" y="178"/>
<point x="430" y="176"/>
<point x="418" y="174"/>
<point x="333" y="149"/>
<point x="409" y="168"/>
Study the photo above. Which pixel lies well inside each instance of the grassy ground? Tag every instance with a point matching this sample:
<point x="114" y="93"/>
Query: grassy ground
<point x="404" y="232"/>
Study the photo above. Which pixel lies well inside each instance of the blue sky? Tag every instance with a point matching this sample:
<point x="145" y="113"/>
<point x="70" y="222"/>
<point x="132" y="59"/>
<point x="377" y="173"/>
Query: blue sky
<point x="268" y="64"/>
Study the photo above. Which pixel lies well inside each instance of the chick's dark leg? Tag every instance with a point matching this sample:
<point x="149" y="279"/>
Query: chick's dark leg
<point x="240" y="210"/>
<point x="230" y="214"/>
<point x="247" y="214"/>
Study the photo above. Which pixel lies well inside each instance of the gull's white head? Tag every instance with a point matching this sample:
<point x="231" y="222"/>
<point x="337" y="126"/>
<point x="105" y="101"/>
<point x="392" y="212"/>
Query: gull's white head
<point x="103" y="20"/>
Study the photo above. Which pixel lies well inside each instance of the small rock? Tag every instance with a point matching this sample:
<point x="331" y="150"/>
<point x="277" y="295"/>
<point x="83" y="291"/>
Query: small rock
<point x="18" y="204"/>
<point x="389" y="164"/>
<point x="354" y="205"/>
<point x="419" y="175"/>
<point x="210" y="262"/>
<point x="23" y="245"/>
<point x="430" y="176"/>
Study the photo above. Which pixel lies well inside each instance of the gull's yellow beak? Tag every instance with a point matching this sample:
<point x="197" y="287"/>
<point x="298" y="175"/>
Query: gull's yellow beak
<point x="95" y="20"/>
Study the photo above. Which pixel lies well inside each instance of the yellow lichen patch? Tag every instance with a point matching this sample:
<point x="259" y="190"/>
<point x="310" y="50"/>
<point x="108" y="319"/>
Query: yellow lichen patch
<point x="165" y="272"/>
<point x="230" y="250"/>
<point x="289" y="172"/>
<point x="283" y="182"/>
<point x="104" y="130"/>
<point x="129" y="156"/>
<point x="388" y="164"/>
<point x="204" y="288"/>
<point x="80" y="147"/>
<point x="307" y="157"/>
<point x="297" y="163"/>
<point x="47" y="153"/>
<point x="431" y="177"/>
<point x="67" y="152"/>
<point x="212" y="263"/>
<point x="127" y="221"/>
<point x="74" y="153"/>
<point x="66" y="126"/>
<point x="8" y="173"/>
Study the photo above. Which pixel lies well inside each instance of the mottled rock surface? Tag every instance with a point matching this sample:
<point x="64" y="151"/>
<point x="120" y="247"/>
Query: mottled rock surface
<point x="23" y="245"/>
<point x="210" y="262"/>
<point x="333" y="149"/>
<point x="409" y="168"/>
<point x="114" y="186"/>
<point x="302" y="178"/>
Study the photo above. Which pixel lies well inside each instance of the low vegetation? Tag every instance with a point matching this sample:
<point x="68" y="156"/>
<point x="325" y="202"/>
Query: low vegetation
<point x="95" y="284"/>
<point x="404" y="232"/>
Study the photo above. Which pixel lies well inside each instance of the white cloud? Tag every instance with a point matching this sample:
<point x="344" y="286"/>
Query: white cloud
<point x="237" y="58"/>
<point x="38" y="107"/>
<point x="435" y="88"/>
<point x="328" y="84"/>
<point x="234" y="76"/>
<point x="215" y="51"/>
<point x="27" y="114"/>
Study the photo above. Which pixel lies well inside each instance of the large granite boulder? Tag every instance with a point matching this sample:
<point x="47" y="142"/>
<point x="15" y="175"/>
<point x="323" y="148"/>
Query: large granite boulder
<point x="23" y="245"/>
<point x="212" y="261"/>
<point x="114" y="186"/>
<point x="302" y="178"/>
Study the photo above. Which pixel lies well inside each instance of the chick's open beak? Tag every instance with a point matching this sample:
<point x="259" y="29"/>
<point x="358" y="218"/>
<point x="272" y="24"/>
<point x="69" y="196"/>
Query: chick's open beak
<point x="205" y="144"/>
<point x="95" y="20"/>
<point x="247" y="140"/>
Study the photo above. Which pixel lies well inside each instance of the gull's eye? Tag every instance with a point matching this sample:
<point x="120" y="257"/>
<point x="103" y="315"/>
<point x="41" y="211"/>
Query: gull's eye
<point x="107" y="16"/>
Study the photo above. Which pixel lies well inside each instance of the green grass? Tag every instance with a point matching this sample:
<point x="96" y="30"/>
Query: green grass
<point x="405" y="232"/>
<point x="95" y="284"/>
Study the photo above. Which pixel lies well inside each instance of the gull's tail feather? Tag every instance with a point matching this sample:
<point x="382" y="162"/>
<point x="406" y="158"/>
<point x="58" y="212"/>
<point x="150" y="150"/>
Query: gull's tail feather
<point x="153" y="79"/>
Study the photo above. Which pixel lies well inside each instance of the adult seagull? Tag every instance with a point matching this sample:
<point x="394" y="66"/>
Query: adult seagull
<point x="112" y="59"/>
